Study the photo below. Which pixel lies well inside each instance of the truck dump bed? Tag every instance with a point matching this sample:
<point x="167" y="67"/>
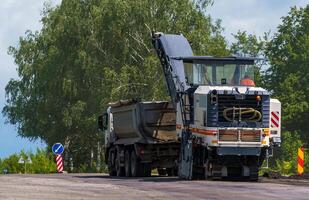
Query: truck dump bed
<point x="144" y="121"/>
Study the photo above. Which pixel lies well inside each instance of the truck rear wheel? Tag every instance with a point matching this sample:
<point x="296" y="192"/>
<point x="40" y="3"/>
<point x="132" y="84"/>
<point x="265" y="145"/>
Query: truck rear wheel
<point x="171" y="171"/>
<point x="119" y="168"/>
<point x="146" y="169"/>
<point x="135" y="165"/>
<point x="161" y="172"/>
<point x="127" y="163"/>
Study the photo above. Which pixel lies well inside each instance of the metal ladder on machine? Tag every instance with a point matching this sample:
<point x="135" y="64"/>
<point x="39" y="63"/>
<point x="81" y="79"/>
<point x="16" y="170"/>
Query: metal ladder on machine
<point x="186" y="159"/>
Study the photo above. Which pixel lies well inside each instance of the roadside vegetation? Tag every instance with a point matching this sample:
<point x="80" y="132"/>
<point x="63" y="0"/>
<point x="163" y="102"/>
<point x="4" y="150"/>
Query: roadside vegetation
<point x="92" y="52"/>
<point x="42" y="162"/>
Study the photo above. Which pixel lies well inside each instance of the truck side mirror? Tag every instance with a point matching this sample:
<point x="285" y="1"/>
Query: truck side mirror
<point x="102" y="122"/>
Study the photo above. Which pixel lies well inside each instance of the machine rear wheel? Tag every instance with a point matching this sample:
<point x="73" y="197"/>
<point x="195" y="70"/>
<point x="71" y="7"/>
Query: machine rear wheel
<point x="254" y="169"/>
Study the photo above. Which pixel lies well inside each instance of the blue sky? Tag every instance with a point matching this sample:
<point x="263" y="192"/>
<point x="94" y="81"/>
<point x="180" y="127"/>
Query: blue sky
<point x="17" y="16"/>
<point x="253" y="16"/>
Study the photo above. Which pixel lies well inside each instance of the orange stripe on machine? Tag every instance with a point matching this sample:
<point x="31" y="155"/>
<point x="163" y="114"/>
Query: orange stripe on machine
<point x="200" y="131"/>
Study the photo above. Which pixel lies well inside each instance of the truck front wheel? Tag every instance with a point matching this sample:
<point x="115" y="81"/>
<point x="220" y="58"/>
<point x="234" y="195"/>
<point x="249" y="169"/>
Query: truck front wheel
<point x="111" y="161"/>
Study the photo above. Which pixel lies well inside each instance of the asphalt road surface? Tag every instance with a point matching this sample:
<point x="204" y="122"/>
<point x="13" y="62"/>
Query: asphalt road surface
<point x="99" y="186"/>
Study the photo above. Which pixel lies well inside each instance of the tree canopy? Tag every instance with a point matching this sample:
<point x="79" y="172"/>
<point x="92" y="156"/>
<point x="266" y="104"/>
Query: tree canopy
<point x="288" y="74"/>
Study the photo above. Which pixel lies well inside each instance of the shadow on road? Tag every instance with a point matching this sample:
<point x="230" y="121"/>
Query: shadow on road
<point x="145" y="179"/>
<point x="162" y="179"/>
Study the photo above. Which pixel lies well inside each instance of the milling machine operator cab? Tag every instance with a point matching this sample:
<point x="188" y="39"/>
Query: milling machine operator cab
<point x="232" y="71"/>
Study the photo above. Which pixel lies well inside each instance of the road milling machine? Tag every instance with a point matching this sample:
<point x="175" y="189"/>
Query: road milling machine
<point x="226" y="125"/>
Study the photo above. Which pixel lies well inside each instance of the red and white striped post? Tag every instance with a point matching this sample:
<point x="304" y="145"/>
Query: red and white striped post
<point x="59" y="162"/>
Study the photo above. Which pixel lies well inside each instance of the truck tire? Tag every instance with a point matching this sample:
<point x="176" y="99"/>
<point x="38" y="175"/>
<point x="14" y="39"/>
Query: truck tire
<point x="135" y="165"/>
<point x="146" y="169"/>
<point x="171" y="171"/>
<point x="161" y="171"/>
<point x="127" y="163"/>
<point x="110" y="163"/>
<point x="119" y="169"/>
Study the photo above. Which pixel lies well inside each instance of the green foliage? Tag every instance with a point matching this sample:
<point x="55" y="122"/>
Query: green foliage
<point x="91" y="52"/>
<point x="288" y="75"/>
<point x="287" y="78"/>
<point x="248" y="45"/>
<point x="284" y="167"/>
<point x="306" y="170"/>
<point x="287" y="163"/>
<point x="11" y="164"/>
<point x="42" y="162"/>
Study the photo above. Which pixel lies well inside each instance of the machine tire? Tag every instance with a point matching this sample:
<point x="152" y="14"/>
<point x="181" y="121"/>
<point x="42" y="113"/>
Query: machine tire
<point x="135" y="165"/>
<point x="254" y="168"/>
<point x="119" y="169"/>
<point x="127" y="163"/>
<point x="110" y="166"/>
<point x="254" y="174"/>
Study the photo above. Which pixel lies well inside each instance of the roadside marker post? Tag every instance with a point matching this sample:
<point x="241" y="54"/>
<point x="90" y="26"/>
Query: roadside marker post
<point x="300" y="160"/>
<point x="58" y="150"/>
<point x="23" y="161"/>
<point x="59" y="162"/>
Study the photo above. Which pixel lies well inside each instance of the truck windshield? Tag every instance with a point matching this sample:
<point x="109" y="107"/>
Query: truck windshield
<point x="219" y="74"/>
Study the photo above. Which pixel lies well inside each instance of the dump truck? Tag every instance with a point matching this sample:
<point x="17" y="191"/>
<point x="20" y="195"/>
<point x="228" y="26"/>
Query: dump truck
<point x="226" y="125"/>
<point x="139" y="137"/>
